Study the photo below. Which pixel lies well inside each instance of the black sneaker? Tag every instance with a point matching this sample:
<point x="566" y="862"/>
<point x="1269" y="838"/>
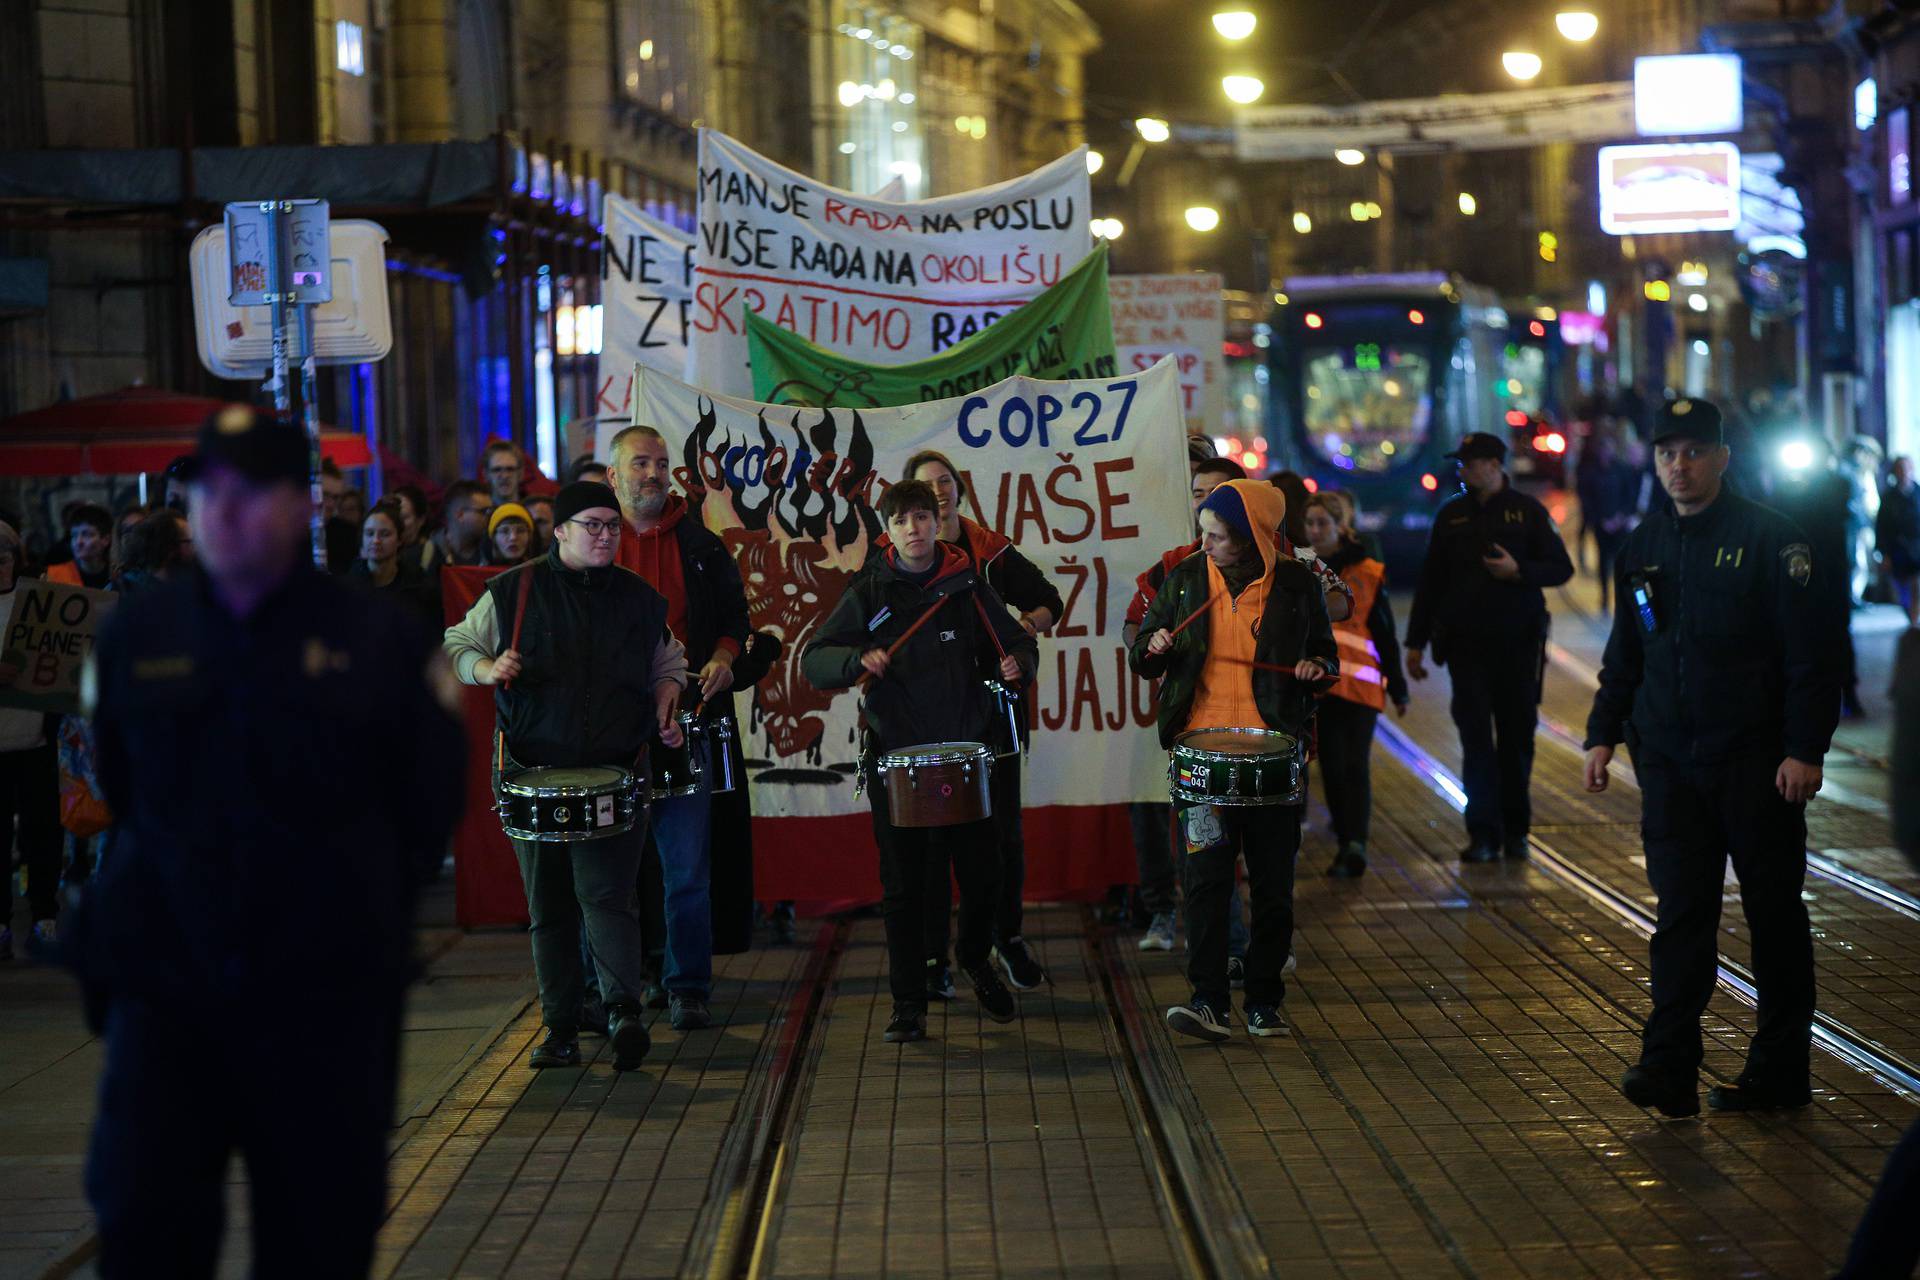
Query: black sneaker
<point x="1645" y="1087"/>
<point x="940" y="981"/>
<point x="655" y="996"/>
<point x="1515" y="848"/>
<point x="690" y="1013"/>
<point x="783" y="924"/>
<point x="1478" y="852"/>
<point x="629" y="1036"/>
<point x="909" y="1023"/>
<point x="593" y="1015"/>
<point x="1266" y="1020"/>
<point x="557" y="1050"/>
<point x="1747" y="1094"/>
<point x="1016" y="961"/>
<point x="1201" y="1020"/>
<point x="1236" y="972"/>
<point x="995" y="1000"/>
<point x="1350" y="863"/>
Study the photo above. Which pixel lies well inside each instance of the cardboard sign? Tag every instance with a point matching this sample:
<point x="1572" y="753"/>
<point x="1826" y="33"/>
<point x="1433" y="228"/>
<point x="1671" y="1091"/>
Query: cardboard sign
<point x="48" y="639"/>
<point x="1181" y="318"/>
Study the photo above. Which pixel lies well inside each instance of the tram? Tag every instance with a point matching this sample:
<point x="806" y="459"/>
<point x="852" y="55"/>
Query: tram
<point x="1372" y="379"/>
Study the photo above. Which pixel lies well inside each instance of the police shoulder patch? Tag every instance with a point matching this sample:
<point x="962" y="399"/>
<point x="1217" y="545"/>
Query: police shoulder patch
<point x="1798" y="557"/>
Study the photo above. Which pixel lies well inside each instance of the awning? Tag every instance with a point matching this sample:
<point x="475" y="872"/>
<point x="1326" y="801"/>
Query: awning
<point x="126" y="432"/>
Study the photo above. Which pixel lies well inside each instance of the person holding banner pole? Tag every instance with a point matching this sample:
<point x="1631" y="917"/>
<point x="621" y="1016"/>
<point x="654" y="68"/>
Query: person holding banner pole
<point x="1027" y="588"/>
<point x="923" y="685"/>
<point x="1240" y="638"/>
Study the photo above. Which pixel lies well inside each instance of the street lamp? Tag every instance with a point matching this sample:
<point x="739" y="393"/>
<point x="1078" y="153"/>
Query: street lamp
<point x="1242" y="89"/>
<point x="1094" y="161"/>
<point x="1203" y="217"/>
<point x="1577" y="25"/>
<point x="1234" y="24"/>
<point x="1350" y="156"/>
<point x="1152" y="129"/>
<point x="1468" y="205"/>
<point x="1106" y="228"/>
<point x="1520" y="64"/>
<point x="1302" y="223"/>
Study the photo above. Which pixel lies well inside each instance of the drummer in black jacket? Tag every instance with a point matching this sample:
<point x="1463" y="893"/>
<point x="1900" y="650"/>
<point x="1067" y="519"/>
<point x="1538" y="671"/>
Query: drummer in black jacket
<point x="1240" y="633"/>
<point x="1024" y="586"/>
<point x="1720" y="676"/>
<point x="929" y="691"/>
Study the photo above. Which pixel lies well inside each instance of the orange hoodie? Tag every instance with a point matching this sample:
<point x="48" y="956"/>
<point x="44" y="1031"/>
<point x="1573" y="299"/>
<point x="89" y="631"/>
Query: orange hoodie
<point x="655" y="556"/>
<point x="1223" y="696"/>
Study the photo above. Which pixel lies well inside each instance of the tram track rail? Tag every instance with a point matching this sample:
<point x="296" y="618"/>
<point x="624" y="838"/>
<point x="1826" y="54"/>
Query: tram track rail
<point x="1891" y="1069"/>
<point x="1214" y="1233"/>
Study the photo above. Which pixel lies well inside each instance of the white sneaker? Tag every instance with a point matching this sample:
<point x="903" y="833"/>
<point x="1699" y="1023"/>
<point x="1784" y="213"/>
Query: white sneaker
<point x="1159" y="934"/>
<point x="1286" y="970"/>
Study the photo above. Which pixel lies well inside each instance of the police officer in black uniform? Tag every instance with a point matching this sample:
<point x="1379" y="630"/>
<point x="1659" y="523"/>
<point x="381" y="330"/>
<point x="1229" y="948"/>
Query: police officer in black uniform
<point x="1481" y="604"/>
<point x="1719" y="677"/>
<point x="281" y="758"/>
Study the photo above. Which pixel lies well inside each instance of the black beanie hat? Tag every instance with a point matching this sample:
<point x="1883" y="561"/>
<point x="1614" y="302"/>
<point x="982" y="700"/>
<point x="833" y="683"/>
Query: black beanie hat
<point x="582" y="495"/>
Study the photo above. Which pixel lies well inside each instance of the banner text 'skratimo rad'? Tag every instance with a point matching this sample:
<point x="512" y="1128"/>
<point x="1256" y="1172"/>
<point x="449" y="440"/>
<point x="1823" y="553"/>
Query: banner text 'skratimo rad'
<point x="882" y="281"/>
<point x="1088" y="477"/>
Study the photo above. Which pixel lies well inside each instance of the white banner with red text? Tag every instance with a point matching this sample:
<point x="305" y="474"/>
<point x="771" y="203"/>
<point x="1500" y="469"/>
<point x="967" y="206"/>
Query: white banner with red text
<point x="1183" y="317"/>
<point x="883" y="281"/>
<point x="1088" y="478"/>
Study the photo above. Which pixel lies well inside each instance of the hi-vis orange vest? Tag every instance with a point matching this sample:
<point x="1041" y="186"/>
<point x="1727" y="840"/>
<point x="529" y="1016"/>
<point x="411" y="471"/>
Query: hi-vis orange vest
<point x="1360" y="678"/>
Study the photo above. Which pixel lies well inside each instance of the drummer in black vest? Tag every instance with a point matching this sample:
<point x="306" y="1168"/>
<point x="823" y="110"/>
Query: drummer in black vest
<point x="1239" y="633"/>
<point x="1481" y="604"/>
<point x="1026" y="587"/>
<point x="928" y="691"/>
<point x="585" y="678"/>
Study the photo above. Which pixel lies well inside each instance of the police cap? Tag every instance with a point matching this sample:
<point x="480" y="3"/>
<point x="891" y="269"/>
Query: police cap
<point x="1480" y="444"/>
<point x="252" y="442"/>
<point x="1689" y="419"/>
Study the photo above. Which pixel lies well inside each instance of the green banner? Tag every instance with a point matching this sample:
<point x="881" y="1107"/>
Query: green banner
<point x="1066" y="332"/>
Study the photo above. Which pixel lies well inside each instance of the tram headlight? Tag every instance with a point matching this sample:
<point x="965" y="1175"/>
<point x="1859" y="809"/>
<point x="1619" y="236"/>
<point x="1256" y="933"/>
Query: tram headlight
<point x="1796" y="455"/>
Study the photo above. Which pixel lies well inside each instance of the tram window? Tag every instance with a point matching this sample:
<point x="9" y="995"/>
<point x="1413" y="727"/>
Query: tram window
<point x="1523" y="377"/>
<point x="1368" y="404"/>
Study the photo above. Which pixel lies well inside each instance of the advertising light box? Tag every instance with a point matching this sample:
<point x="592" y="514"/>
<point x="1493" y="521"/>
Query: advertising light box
<point x="1687" y="93"/>
<point x="1669" y="187"/>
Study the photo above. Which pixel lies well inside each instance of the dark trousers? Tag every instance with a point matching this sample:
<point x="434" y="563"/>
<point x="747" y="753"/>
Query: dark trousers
<point x="1214" y="836"/>
<point x="1153" y="856"/>
<point x="1496" y="708"/>
<point x="1887" y="1241"/>
<point x="915" y="863"/>
<point x="30" y="791"/>
<point x="1694" y="818"/>
<point x="312" y="1129"/>
<point x="1011" y="855"/>
<point x="584" y="884"/>
<point x="1346" y="766"/>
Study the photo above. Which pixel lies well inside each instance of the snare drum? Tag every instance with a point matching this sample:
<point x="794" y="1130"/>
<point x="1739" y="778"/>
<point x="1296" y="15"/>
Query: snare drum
<point x="1004" y="704"/>
<point x="941" y="784"/>
<point x="569" y="802"/>
<point x="677" y="770"/>
<point x="1238" y="766"/>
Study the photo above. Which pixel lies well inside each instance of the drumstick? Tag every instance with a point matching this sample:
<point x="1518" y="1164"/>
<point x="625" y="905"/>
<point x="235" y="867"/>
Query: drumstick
<point x="1259" y="666"/>
<point x="907" y="635"/>
<point x="992" y="635"/>
<point x="519" y="614"/>
<point x="1191" y="618"/>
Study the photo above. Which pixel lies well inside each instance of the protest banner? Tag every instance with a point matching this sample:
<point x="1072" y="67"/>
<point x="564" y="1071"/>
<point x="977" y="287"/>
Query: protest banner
<point x="48" y="638"/>
<point x="879" y="280"/>
<point x="1182" y="317"/>
<point x="1064" y="334"/>
<point x="1088" y="478"/>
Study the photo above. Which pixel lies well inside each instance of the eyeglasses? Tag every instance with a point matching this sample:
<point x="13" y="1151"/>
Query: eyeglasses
<point x="596" y="528"/>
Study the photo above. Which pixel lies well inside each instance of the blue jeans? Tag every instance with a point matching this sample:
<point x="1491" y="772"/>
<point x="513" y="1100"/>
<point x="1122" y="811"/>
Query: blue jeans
<point x="683" y="831"/>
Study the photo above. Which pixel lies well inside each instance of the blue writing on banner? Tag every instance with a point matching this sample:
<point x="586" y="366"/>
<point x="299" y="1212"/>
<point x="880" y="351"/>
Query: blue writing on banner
<point x="1023" y="421"/>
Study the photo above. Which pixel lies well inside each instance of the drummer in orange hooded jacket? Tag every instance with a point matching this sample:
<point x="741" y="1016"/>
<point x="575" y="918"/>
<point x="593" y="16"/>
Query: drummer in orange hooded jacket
<point x="1257" y="650"/>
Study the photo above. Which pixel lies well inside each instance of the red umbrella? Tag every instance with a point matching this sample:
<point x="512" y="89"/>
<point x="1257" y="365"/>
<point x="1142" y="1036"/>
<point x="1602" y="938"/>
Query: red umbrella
<point x="125" y="432"/>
